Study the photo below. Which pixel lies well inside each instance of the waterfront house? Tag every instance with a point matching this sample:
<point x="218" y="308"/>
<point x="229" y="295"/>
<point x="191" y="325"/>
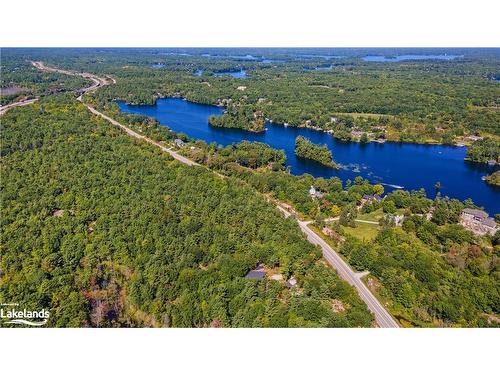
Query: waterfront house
<point x="371" y="198"/>
<point x="430" y="213"/>
<point x="478" y="221"/>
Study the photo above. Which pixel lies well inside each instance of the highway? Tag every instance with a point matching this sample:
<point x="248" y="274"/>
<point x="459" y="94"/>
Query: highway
<point x="382" y="316"/>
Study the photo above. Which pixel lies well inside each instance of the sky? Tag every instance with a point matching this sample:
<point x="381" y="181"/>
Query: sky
<point x="255" y="23"/>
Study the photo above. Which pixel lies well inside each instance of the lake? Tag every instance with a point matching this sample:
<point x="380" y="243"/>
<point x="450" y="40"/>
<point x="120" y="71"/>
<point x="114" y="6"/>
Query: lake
<point x="241" y="74"/>
<point x="395" y="165"/>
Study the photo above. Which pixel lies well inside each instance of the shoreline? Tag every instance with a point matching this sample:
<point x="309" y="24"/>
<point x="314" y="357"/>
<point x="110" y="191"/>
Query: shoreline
<point x="458" y="144"/>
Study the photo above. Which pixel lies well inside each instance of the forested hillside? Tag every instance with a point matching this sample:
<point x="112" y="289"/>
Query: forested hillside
<point x="106" y="231"/>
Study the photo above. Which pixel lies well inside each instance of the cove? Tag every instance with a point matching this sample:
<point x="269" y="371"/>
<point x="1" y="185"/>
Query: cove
<point x="395" y="165"/>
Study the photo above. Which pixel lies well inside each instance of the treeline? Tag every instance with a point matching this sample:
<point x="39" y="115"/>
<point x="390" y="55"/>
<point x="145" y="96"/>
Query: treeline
<point x="247" y="154"/>
<point x="304" y="148"/>
<point x="137" y="239"/>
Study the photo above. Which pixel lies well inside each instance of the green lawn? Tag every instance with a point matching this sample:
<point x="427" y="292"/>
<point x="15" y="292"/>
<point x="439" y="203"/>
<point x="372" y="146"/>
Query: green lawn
<point x="363" y="231"/>
<point x="376" y="215"/>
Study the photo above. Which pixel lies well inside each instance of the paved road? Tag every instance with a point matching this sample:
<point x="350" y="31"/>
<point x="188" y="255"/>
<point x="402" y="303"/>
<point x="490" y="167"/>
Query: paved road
<point x="382" y="317"/>
<point x="5" y="108"/>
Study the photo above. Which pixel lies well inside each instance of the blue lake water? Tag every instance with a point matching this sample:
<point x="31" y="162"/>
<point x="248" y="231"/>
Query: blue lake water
<point x="376" y="58"/>
<point x="395" y="165"/>
<point x="235" y="74"/>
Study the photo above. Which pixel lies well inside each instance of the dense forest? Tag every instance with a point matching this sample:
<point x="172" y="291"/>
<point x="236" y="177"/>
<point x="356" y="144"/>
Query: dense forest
<point x="430" y="271"/>
<point x="106" y="231"/>
<point x="304" y="148"/>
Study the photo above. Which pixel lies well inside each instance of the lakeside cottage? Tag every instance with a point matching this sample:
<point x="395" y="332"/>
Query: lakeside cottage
<point x="478" y="221"/>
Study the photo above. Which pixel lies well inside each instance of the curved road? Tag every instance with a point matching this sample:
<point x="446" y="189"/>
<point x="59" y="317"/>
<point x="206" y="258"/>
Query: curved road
<point x="5" y="108"/>
<point x="99" y="82"/>
<point x="382" y="317"/>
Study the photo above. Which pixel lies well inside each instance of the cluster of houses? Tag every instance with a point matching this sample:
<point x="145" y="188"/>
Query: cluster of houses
<point x="478" y="221"/>
<point x="358" y="134"/>
<point x="475" y="220"/>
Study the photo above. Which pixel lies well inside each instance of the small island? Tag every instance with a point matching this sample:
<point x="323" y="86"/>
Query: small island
<point x="493" y="179"/>
<point x="240" y="117"/>
<point x="304" y="148"/>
